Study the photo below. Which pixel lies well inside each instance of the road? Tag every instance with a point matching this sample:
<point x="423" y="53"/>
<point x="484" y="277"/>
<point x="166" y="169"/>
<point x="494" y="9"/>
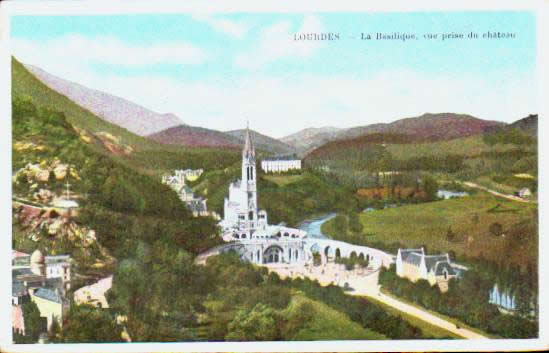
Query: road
<point x="496" y="193"/>
<point x="365" y="283"/>
<point x="422" y="315"/>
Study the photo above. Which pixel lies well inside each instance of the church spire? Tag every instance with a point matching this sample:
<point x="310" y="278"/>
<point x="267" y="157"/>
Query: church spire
<point x="248" y="146"/>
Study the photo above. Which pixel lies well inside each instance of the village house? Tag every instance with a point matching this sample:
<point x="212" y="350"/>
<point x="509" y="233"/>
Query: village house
<point x="94" y="294"/>
<point x="196" y="205"/>
<point x="43" y="280"/>
<point x="414" y="265"/>
<point x="50" y="302"/>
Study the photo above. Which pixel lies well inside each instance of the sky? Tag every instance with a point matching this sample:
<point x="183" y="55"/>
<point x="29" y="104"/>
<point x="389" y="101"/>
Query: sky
<point x="219" y="71"/>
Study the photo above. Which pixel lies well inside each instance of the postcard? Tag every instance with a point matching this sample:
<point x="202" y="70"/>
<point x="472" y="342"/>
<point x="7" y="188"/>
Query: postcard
<point x="245" y="177"/>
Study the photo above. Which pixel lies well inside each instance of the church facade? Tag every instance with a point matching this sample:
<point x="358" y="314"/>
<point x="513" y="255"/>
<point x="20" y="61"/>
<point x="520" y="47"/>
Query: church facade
<point x="247" y="226"/>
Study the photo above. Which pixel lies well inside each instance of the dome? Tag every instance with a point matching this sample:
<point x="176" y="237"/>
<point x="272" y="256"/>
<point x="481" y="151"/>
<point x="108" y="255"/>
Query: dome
<point x="37" y="257"/>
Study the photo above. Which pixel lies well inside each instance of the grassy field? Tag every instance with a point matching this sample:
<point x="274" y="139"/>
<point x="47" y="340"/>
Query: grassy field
<point x="283" y="180"/>
<point x="468" y="217"/>
<point x="426" y="328"/>
<point x="467" y="146"/>
<point x="330" y="324"/>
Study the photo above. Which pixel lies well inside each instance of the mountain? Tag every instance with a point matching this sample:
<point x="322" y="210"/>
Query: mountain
<point x="113" y="109"/>
<point x="431" y="127"/>
<point x="263" y="142"/>
<point x="138" y="152"/>
<point x="310" y="138"/>
<point x="186" y="135"/>
<point x="528" y="124"/>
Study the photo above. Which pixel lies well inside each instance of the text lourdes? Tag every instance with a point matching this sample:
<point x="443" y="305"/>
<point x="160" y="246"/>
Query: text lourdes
<point x="316" y="36"/>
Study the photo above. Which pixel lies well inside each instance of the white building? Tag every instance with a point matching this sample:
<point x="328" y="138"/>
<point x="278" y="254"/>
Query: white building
<point x="280" y="164"/>
<point x="246" y="224"/>
<point x="241" y="212"/>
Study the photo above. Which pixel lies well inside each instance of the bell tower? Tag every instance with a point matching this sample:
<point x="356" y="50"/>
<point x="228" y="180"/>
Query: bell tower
<point x="249" y="180"/>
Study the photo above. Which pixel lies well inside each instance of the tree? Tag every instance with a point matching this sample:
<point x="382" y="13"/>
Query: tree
<point x="317" y="259"/>
<point x="86" y="323"/>
<point x="33" y="322"/>
<point x="354" y="223"/>
<point x="496" y="229"/>
<point x="450" y="235"/>
<point x="340" y="224"/>
<point x="297" y="318"/>
<point x="260" y="324"/>
<point x="54" y="332"/>
<point x="430" y="186"/>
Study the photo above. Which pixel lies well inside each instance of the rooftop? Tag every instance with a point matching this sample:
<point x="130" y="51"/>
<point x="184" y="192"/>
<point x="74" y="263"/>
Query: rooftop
<point x="54" y="259"/>
<point x="431" y="260"/>
<point x="48" y="294"/>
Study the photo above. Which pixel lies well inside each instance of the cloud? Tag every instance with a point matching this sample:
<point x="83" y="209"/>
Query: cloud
<point x="276" y="42"/>
<point x="233" y="29"/>
<point x="280" y="105"/>
<point x="108" y="50"/>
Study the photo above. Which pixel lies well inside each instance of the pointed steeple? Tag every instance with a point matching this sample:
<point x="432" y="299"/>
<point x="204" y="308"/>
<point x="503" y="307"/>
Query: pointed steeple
<point x="248" y="146"/>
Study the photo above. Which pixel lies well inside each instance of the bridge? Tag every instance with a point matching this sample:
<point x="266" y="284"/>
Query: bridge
<point x="331" y="250"/>
<point x="298" y="251"/>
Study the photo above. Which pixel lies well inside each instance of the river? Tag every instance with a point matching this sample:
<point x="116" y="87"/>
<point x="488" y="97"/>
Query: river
<point x="313" y="227"/>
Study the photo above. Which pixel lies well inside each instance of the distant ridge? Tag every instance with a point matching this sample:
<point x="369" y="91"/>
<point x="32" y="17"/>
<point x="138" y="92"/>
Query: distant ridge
<point x="311" y="137"/>
<point x="186" y="135"/>
<point x="113" y="109"/>
<point x="433" y="127"/>
<point x="263" y="142"/>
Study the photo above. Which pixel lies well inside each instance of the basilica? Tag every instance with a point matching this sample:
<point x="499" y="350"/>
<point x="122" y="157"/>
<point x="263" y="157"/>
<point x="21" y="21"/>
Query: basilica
<point x="246" y="224"/>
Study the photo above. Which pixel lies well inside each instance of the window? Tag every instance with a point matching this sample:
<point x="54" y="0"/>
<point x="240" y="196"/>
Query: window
<point x="251" y="215"/>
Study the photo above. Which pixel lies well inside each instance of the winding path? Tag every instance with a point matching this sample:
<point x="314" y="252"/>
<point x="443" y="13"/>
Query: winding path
<point x="422" y="315"/>
<point x="496" y="193"/>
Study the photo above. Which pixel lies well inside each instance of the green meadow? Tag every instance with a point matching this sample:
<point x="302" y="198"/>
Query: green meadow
<point x="468" y="218"/>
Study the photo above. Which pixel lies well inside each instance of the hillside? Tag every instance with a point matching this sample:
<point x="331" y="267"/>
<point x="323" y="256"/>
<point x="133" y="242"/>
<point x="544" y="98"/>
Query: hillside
<point x="25" y="84"/>
<point x="139" y="153"/>
<point x="194" y="136"/>
<point x="263" y="142"/>
<point x="427" y="127"/>
<point x="113" y="109"/>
